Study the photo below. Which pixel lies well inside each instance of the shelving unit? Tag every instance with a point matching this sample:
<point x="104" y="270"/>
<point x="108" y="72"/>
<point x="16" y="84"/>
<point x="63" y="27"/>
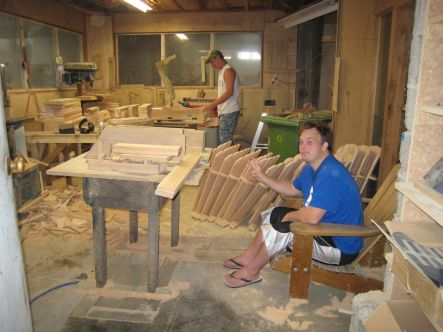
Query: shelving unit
<point x="423" y="200"/>
<point x="421" y="204"/>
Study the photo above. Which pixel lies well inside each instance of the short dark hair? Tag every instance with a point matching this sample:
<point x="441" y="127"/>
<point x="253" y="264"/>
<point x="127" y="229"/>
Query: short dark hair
<point x="322" y="128"/>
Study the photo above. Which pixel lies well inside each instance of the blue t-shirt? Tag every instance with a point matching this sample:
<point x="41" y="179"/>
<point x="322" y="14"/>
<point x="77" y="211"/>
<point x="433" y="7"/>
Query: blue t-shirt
<point x="333" y="189"/>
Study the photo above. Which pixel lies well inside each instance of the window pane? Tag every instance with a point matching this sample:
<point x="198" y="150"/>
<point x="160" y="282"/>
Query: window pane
<point x="137" y="55"/>
<point x="40" y="51"/>
<point x="10" y="55"/>
<point x="243" y="51"/>
<point x="185" y="70"/>
<point x="70" y="46"/>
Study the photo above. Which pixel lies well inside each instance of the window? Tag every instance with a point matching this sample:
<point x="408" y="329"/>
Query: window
<point x="70" y="46"/>
<point x="191" y="50"/>
<point x="40" y="51"/>
<point x="243" y="51"/>
<point x="137" y="55"/>
<point x="10" y="54"/>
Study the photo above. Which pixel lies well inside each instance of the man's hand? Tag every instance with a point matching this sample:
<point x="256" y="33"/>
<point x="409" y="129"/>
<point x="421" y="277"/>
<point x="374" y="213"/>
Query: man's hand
<point x="207" y="109"/>
<point x="256" y="171"/>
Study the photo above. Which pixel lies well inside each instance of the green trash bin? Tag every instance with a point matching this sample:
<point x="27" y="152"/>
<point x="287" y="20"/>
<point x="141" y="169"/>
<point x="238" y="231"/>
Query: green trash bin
<point x="283" y="134"/>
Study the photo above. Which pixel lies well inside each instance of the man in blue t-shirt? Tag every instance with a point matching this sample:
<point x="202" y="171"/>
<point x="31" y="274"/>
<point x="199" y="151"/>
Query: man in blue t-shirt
<point x="330" y="195"/>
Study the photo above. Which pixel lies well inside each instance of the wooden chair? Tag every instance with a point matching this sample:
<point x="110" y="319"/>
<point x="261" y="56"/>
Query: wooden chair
<point x="381" y="207"/>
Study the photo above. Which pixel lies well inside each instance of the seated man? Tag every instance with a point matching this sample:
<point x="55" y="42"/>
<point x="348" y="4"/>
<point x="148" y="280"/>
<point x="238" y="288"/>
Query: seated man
<point x="330" y="195"/>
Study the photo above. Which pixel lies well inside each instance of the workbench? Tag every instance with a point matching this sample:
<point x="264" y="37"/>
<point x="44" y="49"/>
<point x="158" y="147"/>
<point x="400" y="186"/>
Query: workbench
<point x="63" y="143"/>
<point x="111" y="189"/>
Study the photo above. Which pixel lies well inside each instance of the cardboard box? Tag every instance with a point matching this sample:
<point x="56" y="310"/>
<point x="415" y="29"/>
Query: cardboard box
<point x="398" y="316"/>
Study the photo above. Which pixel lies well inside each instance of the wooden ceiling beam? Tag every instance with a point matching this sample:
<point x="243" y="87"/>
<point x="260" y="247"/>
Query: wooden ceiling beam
<point x="153" y="5"/>
<point x="178" y="5"/>
<point x="201" y="4"/>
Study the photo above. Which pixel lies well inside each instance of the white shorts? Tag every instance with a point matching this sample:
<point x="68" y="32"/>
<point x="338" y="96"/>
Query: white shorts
<point x="277" y="243"/>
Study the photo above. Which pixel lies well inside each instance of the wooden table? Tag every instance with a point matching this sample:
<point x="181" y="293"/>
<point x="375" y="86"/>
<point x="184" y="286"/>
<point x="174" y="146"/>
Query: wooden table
<point x="110" y="189"/>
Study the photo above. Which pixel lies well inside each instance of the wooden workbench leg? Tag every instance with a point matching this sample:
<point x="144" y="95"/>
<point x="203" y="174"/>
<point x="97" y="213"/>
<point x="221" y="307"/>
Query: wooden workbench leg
<point x="66" y="153"/>
<point x="100" y="255"/>
<point x="175" y="220"/>
<point x="133" y="227"/>
<point x="153" y="252"/>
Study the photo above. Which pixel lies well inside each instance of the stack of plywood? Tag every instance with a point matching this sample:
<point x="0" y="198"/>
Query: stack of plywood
<point x="61" y="111"/>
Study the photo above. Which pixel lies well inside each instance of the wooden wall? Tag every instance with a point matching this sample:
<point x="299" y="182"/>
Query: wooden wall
<point x="45" y="11"/>
<point x="357" y="48"/>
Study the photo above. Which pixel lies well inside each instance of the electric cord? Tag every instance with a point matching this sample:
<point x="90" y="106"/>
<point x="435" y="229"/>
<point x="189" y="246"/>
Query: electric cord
<point x="53" y="289"/>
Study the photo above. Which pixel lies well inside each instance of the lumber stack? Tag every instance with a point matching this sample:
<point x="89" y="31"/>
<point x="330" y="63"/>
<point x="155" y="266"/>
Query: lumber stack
<point x="61" y="111"/>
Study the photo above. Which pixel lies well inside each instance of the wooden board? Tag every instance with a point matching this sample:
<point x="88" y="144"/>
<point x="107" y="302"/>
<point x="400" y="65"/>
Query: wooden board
<point x="172" y="183"/>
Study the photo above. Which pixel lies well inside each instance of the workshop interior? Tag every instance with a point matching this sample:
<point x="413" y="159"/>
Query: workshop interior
<point x="122" y="196"/>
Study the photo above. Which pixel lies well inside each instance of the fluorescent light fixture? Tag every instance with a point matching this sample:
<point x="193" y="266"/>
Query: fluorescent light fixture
<point x="309" y="13"/>
<point x="181" y="36"/>
<point x="245" y="55"/>
<point x="139" y="4"/>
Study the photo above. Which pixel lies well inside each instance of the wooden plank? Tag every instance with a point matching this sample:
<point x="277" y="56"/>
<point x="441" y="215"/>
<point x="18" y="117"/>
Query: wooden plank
<point x="110" y="165"/>
<point x="34" y="137"/>
<point x="78" y="167"/>
<point x="146" y="149"/>
<point x="173" y="182"/>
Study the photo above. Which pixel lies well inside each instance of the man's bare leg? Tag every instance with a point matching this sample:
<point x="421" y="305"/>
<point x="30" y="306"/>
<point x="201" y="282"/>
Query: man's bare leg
<point x="249" y="254"/>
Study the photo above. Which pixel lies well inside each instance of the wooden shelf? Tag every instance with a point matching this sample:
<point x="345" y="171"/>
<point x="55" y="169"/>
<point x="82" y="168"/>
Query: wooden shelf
<point x="438" y="110"/>
<point x="421" y="199"/>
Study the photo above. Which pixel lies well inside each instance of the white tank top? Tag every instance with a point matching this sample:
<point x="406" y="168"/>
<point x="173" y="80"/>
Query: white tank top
<point x="232" y="104"/>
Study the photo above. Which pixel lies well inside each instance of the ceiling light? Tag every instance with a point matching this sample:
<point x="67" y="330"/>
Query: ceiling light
<point x="139" y="4"/>
<point x="181" y="36"/>
<point x="309" y="13"/>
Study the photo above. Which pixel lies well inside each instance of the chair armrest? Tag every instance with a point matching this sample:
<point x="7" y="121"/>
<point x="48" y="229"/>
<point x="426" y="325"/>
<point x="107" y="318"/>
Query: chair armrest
<point x="326" y="229"/>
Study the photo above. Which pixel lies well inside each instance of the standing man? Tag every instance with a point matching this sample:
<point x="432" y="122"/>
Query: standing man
<point x="227" y="102"/>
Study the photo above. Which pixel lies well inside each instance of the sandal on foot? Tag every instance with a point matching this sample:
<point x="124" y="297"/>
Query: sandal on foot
<point x="246" y="281"/>
<point x="235" y="265"/>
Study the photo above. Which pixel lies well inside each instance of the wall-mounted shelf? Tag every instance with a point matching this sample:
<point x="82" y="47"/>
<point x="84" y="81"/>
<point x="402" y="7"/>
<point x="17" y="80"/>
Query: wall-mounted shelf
<point x="425" y="201"/>
<point x="438" y="110"/>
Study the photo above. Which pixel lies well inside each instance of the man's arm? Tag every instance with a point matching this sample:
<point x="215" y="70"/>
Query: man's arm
<point x="307" y="215"/>
<point x="283" y="187"/>
<point x="229" y="78"/>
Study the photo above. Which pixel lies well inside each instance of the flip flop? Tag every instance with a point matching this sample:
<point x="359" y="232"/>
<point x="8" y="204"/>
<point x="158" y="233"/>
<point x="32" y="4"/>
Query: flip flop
<point x="236" y="265"/>
<point x="246" y="281"/>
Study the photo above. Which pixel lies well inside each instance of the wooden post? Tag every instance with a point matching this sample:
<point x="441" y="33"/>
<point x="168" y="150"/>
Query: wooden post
<point x="99" y="236"/>
<point x="133" y="226"/>
<point x="153" y="248"/>
<point x="175" y="220"/>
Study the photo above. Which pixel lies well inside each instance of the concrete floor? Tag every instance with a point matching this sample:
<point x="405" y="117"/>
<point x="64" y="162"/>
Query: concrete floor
<point x="191" y="296"/>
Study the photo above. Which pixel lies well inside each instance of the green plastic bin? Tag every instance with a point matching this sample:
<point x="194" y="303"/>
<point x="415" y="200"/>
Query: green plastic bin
<point x="283" y="134"/>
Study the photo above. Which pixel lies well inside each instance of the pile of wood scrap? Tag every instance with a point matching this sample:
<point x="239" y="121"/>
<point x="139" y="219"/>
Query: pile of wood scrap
<point x="64" y="213"/>
<point x="229" y="195"/>
<point x="60" y="112"/>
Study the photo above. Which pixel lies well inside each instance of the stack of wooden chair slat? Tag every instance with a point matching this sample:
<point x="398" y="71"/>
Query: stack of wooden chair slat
<point x="60" y="111"/>
<point x="228" y="193"/>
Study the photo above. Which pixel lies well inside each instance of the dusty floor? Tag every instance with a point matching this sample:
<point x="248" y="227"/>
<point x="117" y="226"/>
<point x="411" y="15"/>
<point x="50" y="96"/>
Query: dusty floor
<point x="191" y="296"/>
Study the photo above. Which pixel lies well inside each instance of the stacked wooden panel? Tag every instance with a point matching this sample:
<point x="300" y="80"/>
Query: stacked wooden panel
<point x="60" y="111"/>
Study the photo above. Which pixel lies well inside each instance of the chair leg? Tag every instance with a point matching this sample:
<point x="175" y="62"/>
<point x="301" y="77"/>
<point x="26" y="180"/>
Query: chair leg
<point x="301" y="267"/>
